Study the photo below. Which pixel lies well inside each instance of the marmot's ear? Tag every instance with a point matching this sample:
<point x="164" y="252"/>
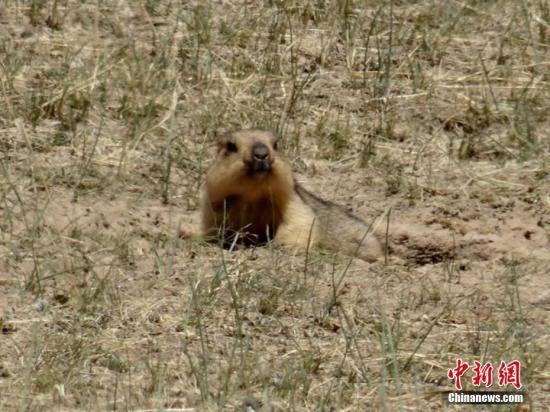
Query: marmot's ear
<point x="274" y="137"/>
<point x="221" y="139"/>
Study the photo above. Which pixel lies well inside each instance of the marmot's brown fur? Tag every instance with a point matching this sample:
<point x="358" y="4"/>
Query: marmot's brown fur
<point x="250" y="192"/>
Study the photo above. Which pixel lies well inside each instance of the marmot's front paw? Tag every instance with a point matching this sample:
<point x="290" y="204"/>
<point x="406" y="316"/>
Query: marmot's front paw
<point x="187" y="234"/>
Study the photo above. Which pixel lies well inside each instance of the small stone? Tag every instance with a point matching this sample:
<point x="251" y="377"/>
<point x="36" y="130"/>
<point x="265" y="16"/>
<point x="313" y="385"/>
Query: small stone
<point x="251" y="404"/>
<point x="40" y="305"/>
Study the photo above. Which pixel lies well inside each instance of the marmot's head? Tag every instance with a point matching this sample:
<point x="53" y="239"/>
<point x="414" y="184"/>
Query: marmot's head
<point x="255" y="151"/>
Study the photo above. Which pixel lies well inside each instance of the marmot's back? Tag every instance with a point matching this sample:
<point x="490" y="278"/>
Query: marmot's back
<point x="340" y="230"/>
<point x="250" y="192"/>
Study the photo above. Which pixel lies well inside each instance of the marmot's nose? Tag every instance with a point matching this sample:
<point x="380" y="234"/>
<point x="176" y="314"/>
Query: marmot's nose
<point x="260" y="151"/>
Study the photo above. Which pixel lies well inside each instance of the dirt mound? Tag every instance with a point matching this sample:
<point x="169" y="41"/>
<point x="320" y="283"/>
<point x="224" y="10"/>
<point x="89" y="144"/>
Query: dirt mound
<point x="473" y="232"/>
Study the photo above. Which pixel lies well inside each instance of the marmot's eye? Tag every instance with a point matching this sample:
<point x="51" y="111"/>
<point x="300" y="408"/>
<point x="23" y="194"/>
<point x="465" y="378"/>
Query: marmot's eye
<point x="231" y="147"/>
<point x="275" y="146"/>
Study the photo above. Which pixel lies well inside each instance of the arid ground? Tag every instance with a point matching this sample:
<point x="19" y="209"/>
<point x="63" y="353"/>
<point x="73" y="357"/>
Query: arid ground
<point x="433" y="116"/>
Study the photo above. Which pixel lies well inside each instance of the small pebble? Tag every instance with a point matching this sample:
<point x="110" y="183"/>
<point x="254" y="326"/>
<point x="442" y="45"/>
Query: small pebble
<point x="40" y="305"/>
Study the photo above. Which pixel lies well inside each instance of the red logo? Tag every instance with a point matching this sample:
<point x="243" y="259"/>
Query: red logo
<point x="508" y="374"/>
<point x="456" y="373"/>
<point x="483" y="374"/>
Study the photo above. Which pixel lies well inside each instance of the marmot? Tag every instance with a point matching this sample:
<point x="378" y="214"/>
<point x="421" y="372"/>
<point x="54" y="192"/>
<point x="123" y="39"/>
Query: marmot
<point x="250" y="192"/>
